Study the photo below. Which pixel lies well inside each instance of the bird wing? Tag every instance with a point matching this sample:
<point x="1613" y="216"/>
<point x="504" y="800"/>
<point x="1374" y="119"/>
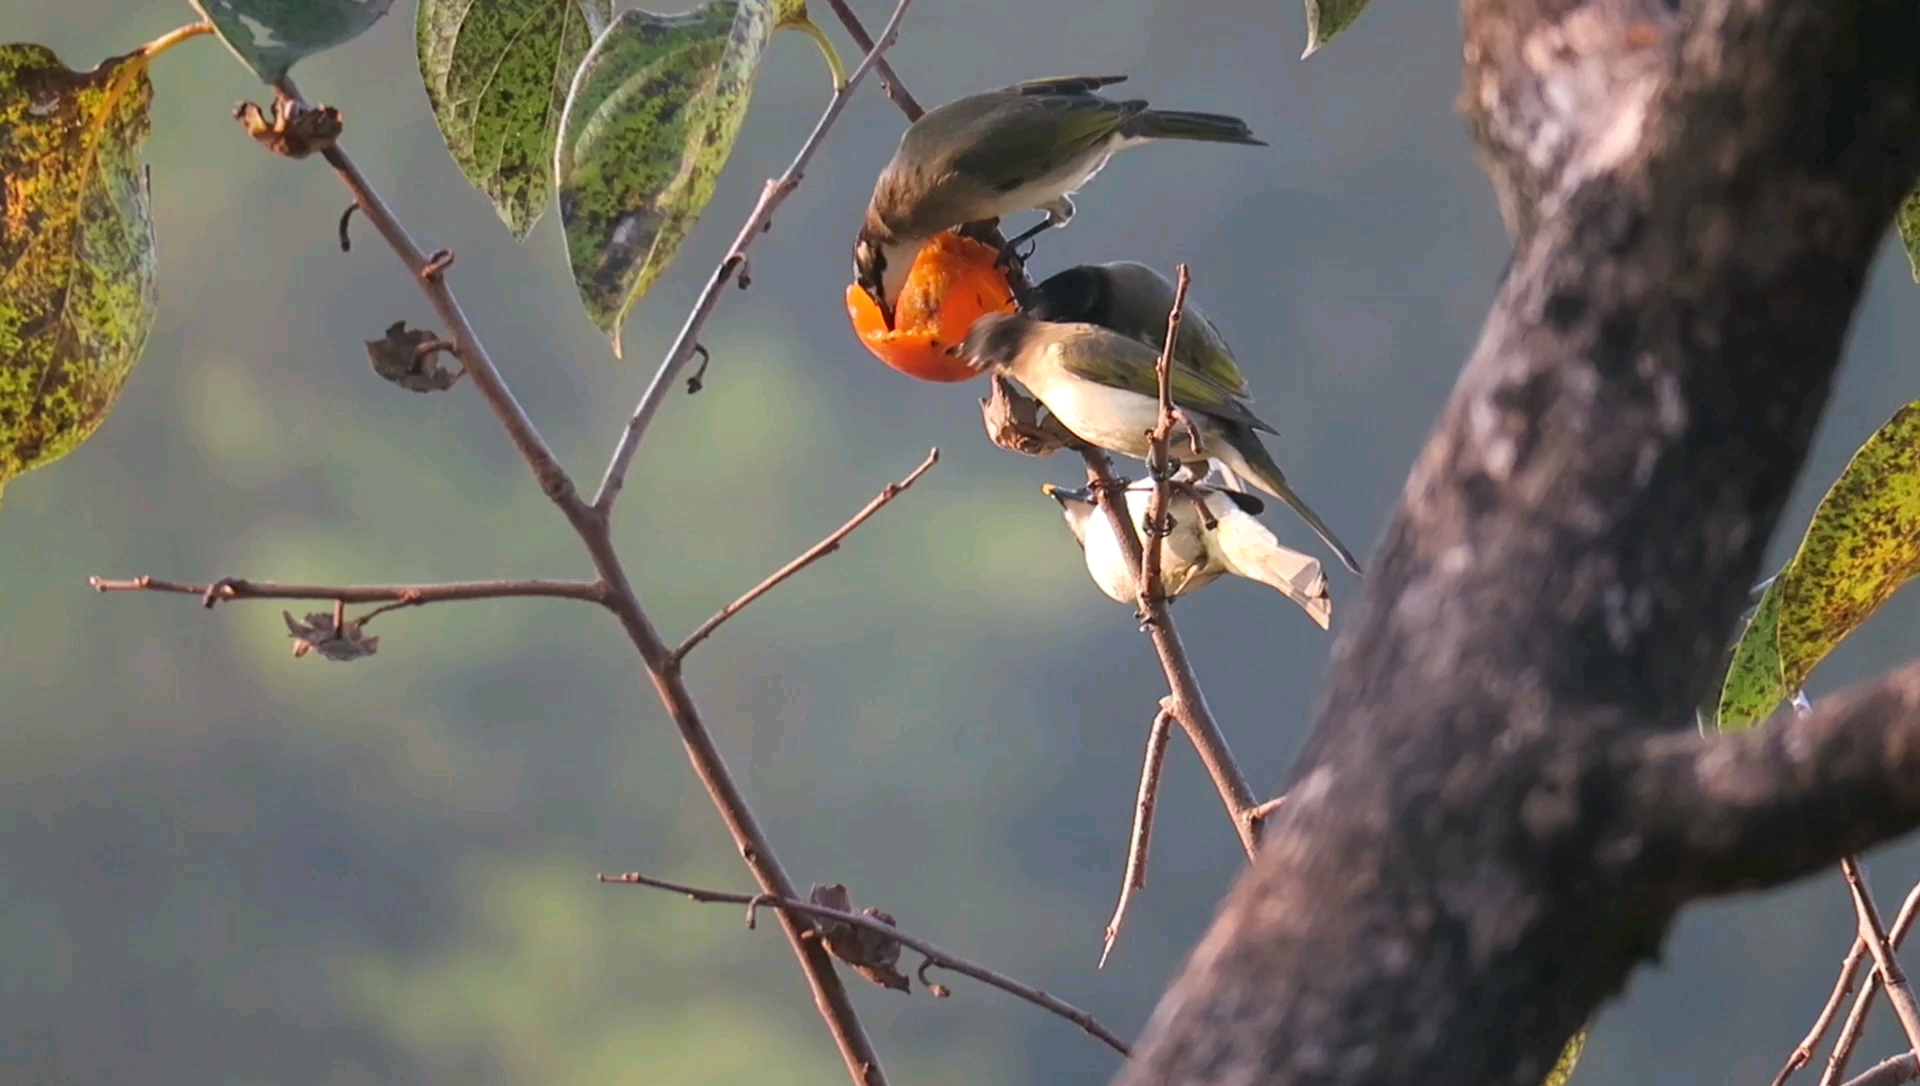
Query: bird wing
<point x="1017" y="139"/>
<point x="1109" y="358"/>
<point x="1250" y="550"/>
<point x="1065" y="84"/>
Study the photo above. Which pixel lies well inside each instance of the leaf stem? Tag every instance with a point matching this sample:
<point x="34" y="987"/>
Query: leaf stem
<point x="174" y="37"/>
<point x="812" y="30"/>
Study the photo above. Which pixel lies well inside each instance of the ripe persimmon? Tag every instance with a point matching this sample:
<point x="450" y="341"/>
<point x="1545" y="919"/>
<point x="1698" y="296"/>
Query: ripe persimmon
<point x="954" y="282"/>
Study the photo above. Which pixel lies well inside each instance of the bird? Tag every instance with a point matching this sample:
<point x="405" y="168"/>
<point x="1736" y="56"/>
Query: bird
<point x="1134" y="300"/>
<point x="1022" y="147"/>
<point x="1220" y="535"/>
<point x="1104" y="387"/>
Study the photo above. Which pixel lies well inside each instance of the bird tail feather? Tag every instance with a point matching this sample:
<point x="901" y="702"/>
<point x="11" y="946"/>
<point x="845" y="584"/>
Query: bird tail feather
<point x="1171" y="124"/>
<point x="1250" y="460"/>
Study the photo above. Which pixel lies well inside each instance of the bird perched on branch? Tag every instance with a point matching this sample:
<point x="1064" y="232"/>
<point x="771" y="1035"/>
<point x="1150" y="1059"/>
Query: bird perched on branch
<point x="1214" y="532"/>
<point x="1104" y="387"/>
<point x="1134" y="300"/>
<point x="1018" y="148"/>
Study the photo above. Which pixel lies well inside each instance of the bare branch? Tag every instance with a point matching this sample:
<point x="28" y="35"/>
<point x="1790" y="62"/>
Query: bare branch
<point x="398" y="595"/>
<point x="889" y="80"/>
<point x="829" y="994"/>
<point x="1856" y="1024"/>
<point x="933" y="954"/>
<point x="1136" y="874"/>
<point x="1153" y="589"/>
<point x="1887" y="965"/>
<point x="1189" y="704"/>
<point x="759" y="222"/>
<point x="1891" y="1072"/>
<point x="813" y="554"/>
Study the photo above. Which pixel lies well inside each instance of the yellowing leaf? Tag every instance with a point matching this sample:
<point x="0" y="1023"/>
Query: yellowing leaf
<point x="1327" y="18"/>
<point x="1569" y="1058"/>
<point x="497" y="74"/>
<point x="269" y="36"/>
<point x="76" y="248"/>
<point x="650" y="122"/>
<point x="1907" y="221"/>
<point x="1862" y="545"/>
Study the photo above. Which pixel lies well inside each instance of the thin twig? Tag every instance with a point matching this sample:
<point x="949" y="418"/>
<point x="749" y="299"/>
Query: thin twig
<point x="1136" y="876"/>
<point x="174" y="37"/>
<point x="1856" y="1022"/>
<point x="1189" y="704"/>
<point x="939" y="958"/>
<point x="1890" y="1072"/>
<point x="1153" y="589"/>
<point x="812" y="554"/>
<point x="889" y="80"/>
<point x="1849" y="973"/>
<point x="1892" y="978"/>
<point x="829" y="993"/>
<point x="397" y="595"/>
<point x="771" y="197"/>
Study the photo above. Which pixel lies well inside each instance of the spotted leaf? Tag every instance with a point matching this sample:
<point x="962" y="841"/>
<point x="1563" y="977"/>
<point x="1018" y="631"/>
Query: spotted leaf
<point x="76" y="248"/>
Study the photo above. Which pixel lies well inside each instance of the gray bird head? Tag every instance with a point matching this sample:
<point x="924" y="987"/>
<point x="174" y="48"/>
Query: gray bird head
<point x="1079" y="295"/>
<point x="996" y="339"/>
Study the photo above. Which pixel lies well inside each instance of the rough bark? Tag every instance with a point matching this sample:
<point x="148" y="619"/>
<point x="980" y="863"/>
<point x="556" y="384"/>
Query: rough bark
<point x="1502" y="807"/>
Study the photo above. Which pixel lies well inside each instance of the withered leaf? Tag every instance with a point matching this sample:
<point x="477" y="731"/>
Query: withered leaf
<point x="871" y="954"/>
<point x="319" y="634"/>
<point x="410" y="358"/>
<point x="294" y="131"/>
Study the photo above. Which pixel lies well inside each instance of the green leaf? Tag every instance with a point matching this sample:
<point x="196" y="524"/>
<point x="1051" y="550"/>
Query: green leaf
<point x="1328" y="18"/>
<point x="1908" y="223"/>
<point x="76" y="248"/>
<point x="1569" y="1057"/>
<point x="1863" y="544"/>
<point x="269" y="36"/>
<point x="650" y="121"/>
<point x="497" y="74"/>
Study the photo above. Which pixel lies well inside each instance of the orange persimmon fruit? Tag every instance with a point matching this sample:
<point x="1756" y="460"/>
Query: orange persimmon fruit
<point x="954" y="282"/>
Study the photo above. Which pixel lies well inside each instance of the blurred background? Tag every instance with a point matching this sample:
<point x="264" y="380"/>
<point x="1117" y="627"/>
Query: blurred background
<point x="222" y="865"/>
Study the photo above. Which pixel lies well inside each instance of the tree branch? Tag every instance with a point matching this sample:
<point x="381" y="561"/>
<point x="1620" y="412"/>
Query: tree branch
<point x="1802" y="1053"/>
<point x="591" y="525"/>
<point x="1856" y="1023"/>
<point x="1189" y="704"/>
<point x="934" y="956"/>
<point x="811" y="555"/>
<point x="1892" y="1072"/>
<point x="1153" y="589"/>
<point x="1887" y="965"/>
<point x="1451" y="889"/>
<point x="1136" y="874"/>
<point x="889" y="81"/>
<point x="1729" y="813"/>
<point x="400" y="595"/>
<point x="759" y="222"/>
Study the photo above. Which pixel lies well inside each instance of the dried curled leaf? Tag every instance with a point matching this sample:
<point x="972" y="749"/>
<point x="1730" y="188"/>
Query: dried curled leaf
<point x="1327" y="18"/>
<point x="295" y="130"/>
<point x="872" y="955"/>
<point x="76" y="248"/>
<point x="1013" y="422"/>
<point x="409" y="357"/>
<point x="1862" y="545"/>
<point x="497" y="74"/>
<point x="650" y="122"/>
<point x="320" y="634"/>
<point x="269" y="36"/>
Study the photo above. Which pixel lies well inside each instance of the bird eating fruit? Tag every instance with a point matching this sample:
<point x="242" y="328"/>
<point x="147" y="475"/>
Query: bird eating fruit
<point x="988" y="155"/>
<point x="954" y="282"/>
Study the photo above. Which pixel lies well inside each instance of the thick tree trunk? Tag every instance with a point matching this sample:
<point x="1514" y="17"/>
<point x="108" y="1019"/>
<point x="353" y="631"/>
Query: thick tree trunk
<point x="1501" y="808"/>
